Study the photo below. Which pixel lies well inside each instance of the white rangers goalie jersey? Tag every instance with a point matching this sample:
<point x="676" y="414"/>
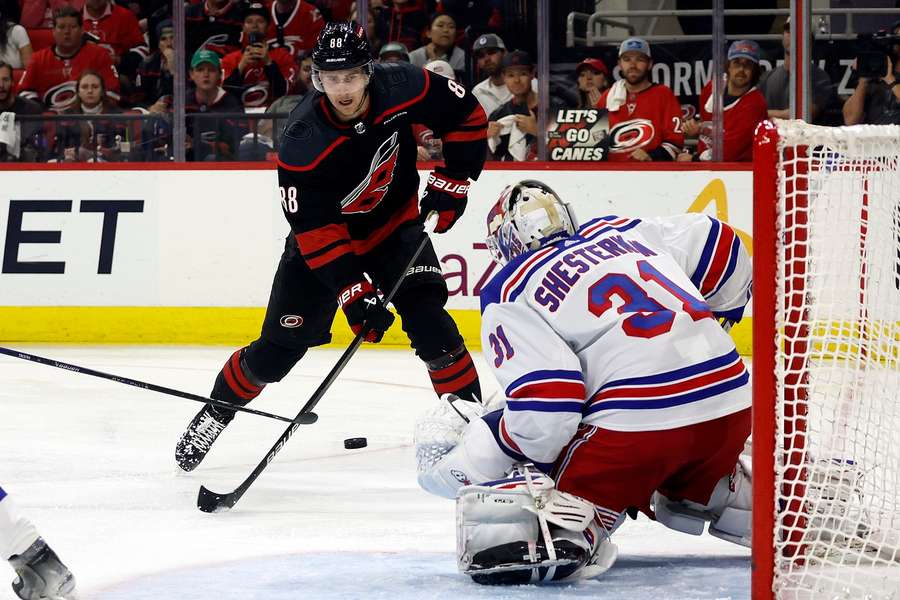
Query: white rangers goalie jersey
<point x="616" y="327"/>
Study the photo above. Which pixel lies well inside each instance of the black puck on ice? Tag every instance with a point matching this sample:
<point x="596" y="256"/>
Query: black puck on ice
<point x="353" y="443"/>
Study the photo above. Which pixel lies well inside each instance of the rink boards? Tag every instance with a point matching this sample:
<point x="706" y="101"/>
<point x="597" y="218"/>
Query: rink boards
<point x="103" y="254"/>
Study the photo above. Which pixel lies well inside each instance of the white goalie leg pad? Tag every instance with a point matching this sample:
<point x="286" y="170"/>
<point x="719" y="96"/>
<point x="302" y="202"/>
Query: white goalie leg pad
<point x="17" y="533"/>
<point x="728" y="509"/>
<point x="504" y="538"/>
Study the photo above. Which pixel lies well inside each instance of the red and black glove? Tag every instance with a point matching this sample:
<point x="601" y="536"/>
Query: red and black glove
<point x="446" y="195"/>
<point x="363" y="307"/>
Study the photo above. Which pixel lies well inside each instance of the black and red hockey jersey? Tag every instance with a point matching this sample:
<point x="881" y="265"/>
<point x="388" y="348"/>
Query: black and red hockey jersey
<point x="50" y="78"/>
<point x="259" y="85"/>
<point x="345" y="187"/>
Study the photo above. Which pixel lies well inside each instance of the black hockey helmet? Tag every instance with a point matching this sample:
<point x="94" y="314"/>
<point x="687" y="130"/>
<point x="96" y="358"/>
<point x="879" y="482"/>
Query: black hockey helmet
<point x="341" y="45"/>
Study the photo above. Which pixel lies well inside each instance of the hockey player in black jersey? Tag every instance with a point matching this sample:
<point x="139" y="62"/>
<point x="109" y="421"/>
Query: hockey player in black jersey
<point x="349" y="189"/>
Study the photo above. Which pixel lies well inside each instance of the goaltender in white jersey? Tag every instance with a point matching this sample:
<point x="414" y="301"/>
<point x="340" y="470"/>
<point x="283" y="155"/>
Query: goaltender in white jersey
<point x="621" y="385"/>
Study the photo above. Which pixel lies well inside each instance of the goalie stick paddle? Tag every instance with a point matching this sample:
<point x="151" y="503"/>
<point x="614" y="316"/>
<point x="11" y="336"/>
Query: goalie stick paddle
<point x="306" y="419"/>
<point x="209" y="501"/>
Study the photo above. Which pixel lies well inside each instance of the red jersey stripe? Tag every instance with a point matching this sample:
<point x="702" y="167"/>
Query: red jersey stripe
<point x="317" y="160"/>
<point x="403" y="105"/>
<point x="316" y="239"/>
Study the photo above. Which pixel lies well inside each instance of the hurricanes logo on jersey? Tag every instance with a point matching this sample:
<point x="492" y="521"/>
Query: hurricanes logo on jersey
<point x="60" y="95"/>
<point x="371" y="190"/>
<point x="630" y="135"/>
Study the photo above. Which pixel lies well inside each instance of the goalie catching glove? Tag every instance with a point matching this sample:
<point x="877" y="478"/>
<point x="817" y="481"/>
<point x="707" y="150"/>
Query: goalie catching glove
<point x="447" y="195"/>
<point x="363" y="308"/>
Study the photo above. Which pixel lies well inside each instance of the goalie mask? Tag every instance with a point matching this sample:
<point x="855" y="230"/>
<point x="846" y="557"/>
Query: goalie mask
<point x="528" y="215"/>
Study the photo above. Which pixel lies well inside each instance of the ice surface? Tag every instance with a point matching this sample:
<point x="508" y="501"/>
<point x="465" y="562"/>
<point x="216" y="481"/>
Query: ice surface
<point x="91" y="462"/>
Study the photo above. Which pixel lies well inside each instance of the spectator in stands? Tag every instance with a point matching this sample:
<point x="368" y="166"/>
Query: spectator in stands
<point x="593" y="80"/>
<point x="775" y="84"/>
<point x="155" y="75"/>
<point x="489" y="51"/>
<point x="644" y="117"/>
<point x="39" y="13"/>
<point x="91" y="141"/>
<point x="876" y="101"/>
<point x="210" y="138"/>
<point x="284" y="105"/>
<point x="442" y="45"/>
<point x="512" y="128"/>
<point x="257" y="74"/>
<point x="295" y="25"/>
<point x="393" y="52"/>
<point x="400" y="21"/>
<point x="214" y="25"/>
<point x="118" y="31"/>
<point x="51" y="73"/>
<point x="744" y="107"/>
<point x="15" y="47"/>
<point x="18" y="141"/>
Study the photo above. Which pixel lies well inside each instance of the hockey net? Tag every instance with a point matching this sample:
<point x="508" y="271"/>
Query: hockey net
<point x="827" y="391"/>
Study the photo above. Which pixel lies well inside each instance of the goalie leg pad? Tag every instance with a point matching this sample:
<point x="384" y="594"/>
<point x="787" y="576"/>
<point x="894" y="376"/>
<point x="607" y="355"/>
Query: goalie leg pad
<point x="728" y="509"/>
<point x="502" y="539"/>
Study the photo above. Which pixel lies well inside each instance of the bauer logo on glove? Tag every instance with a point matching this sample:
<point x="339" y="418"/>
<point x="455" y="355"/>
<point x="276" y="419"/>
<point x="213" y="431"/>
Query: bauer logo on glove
<point x="445" y="194"/>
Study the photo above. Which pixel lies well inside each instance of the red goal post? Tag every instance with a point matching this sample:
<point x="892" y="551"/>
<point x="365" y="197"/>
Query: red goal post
<point x="826" y="362"/>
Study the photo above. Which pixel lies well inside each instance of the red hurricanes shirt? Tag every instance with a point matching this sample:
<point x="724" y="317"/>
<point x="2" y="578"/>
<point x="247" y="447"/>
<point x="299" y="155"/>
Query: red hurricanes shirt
<point x="257" y="90"/>
<point x="50" y="79"/>
<point x="740" y="117"/>
<point x="117" y="29"/>
<point x="299" y="31"/>
<point x="649" y="120"/>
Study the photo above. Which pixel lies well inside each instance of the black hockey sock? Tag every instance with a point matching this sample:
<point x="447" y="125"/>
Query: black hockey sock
<point x="235" y="383"/>
<point x="454" y="373"/>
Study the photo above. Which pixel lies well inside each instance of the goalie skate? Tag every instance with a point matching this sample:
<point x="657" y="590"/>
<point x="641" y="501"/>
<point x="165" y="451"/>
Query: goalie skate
<point x="40" y="574"/>
<point x="202" y="431"/>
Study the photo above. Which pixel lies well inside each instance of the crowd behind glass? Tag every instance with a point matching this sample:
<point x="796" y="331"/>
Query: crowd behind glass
<point x="93" y="80"/>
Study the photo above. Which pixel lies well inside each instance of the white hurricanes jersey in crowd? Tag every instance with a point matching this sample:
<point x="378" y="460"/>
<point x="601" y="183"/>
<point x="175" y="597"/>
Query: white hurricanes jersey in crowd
<point x="616" y="327"/>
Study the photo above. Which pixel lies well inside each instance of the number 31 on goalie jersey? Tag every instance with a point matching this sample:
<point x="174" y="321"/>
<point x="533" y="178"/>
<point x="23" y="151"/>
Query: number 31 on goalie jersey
<point x="649" y="319"/>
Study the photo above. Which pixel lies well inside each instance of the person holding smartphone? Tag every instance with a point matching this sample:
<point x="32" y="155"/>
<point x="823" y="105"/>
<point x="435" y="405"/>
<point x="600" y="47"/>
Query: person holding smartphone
<point x="257" y="74"/>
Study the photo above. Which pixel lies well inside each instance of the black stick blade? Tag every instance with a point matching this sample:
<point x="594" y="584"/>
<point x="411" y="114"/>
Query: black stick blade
<point x="307" y="418"/>
<point x="210" y="502"/>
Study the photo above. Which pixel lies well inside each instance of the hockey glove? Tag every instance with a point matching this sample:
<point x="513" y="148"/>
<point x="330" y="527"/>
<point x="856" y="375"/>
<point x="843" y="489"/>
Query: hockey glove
<point x="446" y="195"/>
<point x="363" y="307"/>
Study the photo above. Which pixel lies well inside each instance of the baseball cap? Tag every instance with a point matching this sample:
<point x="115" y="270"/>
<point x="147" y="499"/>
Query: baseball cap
<point x="441" y="67"/>
<point x="635" y="45"/>
<point x="394" y="48"/>
<point x="516" y="58"/>
<point x="592" y="63"/>
<point x="744" y="49"/>
<point x="257" y="8"/>
<point x="205" y="56"/>
<point x="486" y="41"/>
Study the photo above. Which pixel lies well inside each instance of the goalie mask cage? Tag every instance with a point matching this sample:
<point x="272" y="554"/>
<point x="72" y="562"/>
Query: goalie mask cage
<point x="826" y="362"/>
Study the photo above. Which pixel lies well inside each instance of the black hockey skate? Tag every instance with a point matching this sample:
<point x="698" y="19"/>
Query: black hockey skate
<point x="40" y="574"/>
<point x="200" y="435"/>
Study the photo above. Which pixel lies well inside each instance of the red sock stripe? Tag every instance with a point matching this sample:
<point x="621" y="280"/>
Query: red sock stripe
<point x="452" y="370"/>
<point x="234" y="376"/>
<point x="239" y="374"/>
<point x="462" y="377"/>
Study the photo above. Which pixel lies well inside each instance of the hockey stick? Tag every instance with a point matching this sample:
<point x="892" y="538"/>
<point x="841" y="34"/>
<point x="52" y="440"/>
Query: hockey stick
<point x="209" y="501"/>
<point x="305" y="419"/>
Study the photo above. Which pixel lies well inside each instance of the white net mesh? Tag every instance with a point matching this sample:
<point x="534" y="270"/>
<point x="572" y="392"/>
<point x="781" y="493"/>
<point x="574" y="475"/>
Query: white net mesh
<point x="837" y="532"/>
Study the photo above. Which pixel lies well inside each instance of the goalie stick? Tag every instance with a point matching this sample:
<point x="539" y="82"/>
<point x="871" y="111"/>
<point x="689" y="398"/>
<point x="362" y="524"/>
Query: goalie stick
<point x="306" y="419"/>
<point x="209" y="501"/>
